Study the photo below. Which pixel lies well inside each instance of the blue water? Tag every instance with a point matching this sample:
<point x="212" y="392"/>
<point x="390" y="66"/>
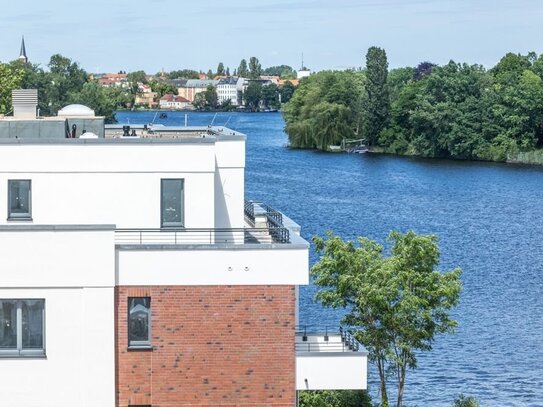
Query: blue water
<point x="489" y="218"/>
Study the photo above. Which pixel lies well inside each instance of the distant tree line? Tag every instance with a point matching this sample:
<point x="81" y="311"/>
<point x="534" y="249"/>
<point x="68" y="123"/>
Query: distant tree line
<point x="453" y="111"/>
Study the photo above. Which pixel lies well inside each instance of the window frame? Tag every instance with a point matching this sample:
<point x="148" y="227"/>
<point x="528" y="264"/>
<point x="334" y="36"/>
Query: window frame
<point x="21" y="352"/>
<point x="172" y="225"/>
<point x="139" y="344"/>
<point x="20" y="216"/>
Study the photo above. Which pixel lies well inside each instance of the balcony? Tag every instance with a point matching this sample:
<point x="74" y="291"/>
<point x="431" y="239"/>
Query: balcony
<point x="329" y="360"/>
<point x="268" y="250"/>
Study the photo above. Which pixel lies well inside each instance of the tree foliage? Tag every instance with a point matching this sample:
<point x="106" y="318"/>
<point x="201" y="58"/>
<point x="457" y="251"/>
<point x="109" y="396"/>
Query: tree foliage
<point x="11" y="77"/>
<point x="255" y="69"/>
<point x="335" y="398"/>
<point x="378" y="103"/>
<point x="325" y="109"/>
<point x="253" y="95"/>
<point x="220" y="69"/>
<point x="283" y="71"/>
<point x="183" y="74"/>
<point x="243" y="70"/>
<point x="396" y="304"/>
<point x="452" y="111"/>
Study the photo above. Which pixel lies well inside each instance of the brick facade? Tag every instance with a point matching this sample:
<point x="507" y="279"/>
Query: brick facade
<point x="212" y="346"/>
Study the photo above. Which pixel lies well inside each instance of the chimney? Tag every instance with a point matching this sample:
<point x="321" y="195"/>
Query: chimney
<point x="25" y="102"/>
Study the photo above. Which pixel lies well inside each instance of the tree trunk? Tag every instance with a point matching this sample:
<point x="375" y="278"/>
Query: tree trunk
<point x="401" y="384"/>
<point x="383" y="387"/>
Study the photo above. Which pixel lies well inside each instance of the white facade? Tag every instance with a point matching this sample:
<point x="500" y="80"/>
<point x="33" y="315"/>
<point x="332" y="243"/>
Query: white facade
<point x="227" y="89"/>
<point x="70" y="268"/>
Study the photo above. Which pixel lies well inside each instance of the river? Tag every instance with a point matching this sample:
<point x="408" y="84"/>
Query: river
<point x="489" y="219"/>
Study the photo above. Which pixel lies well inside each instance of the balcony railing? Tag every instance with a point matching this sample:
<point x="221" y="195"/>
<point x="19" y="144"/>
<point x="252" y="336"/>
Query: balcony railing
<point x="272" y="234"/>
<point x="323" y="339"/>
<point x="260" y="208"/>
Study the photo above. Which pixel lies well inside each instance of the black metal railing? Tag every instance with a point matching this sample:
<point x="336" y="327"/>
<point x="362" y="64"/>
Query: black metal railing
<point x="187" y="236"/>
<point x="249" y="210"/>
<point x="324" y="339"/>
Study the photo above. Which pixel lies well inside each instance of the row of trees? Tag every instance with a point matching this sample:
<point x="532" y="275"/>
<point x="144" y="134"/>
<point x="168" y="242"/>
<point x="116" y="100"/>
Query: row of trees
<point x="64" y="82"/>
<point x="454" y="111"/>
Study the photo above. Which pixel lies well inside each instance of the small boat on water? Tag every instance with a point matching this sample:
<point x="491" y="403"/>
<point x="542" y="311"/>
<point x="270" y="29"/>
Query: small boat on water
<point x="358" y="150"/>
<point x="163" y="116"/>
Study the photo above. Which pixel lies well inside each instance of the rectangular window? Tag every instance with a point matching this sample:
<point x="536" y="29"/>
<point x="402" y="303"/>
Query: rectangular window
<point x="19" y="199"/>
<point x="172" y="197"/>
<point x="22" y="328"/>
<point x="139" y="322"/>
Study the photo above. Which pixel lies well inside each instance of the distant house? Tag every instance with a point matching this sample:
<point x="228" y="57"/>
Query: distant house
<point x="194" y="86"/>
<point x="283" y="82"/>
<point x="146" y="98"/>
<point x="117" y="80"/>
<point x="170" y="101"/>
<point x="227" y="89"/>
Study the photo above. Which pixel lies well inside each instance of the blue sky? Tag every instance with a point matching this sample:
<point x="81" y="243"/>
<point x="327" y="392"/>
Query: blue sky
<point x="110" y="35"/>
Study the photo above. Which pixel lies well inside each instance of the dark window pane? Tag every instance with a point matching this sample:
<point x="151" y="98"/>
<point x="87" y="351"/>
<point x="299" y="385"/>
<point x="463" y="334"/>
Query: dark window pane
<point x="172" y="202"/>
<point x="8" y="324"/>
<point x="32" y="323"/>
<point x="138" y="319"/>
<point x="19" y="198"/>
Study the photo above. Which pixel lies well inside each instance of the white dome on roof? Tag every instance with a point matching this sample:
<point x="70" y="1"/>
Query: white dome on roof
<point x="76" y="111"/>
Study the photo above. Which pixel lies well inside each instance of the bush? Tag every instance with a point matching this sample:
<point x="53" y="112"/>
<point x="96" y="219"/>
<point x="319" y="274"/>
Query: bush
<point x="334" y="398"/>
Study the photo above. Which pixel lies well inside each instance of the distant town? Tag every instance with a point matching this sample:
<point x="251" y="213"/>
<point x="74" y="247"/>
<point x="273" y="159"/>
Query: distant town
<point x="249" y="87"/>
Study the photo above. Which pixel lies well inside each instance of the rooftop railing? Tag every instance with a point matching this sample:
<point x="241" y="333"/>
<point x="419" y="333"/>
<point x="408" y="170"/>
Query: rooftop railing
<point x="195" y="236"/>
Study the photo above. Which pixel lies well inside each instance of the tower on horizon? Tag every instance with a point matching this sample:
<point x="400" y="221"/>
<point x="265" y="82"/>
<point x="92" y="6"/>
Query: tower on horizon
<point x="22" y="57"/>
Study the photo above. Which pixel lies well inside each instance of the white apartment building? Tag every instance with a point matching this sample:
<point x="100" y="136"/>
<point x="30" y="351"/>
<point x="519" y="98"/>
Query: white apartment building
<point x="228" y="89"/>
<point x="134" y="273"/>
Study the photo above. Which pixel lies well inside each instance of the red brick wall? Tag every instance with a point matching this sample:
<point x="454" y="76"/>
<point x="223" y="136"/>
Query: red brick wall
<point x="212" y="346"/>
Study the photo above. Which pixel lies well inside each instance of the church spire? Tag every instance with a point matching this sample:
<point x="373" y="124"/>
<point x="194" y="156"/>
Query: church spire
<point x="22" y="57"/>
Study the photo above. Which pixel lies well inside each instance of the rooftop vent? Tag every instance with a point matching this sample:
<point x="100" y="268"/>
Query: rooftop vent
<point x="25" y="102"/>
<point x="76" y="111"/>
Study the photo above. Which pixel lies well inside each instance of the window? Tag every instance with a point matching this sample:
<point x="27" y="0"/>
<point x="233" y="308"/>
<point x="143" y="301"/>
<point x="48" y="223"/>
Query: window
<point x="139" y="322"/>
<point x="22" y="327"/>
<point x="172" y="191"/>
<point x="19" y="192"/>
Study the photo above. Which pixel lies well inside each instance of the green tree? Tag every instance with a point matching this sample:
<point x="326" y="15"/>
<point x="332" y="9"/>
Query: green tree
<point x="270" y="96"/>
<point x="183" y="74"/>
<point x="162" y="88"/>
<point x="253" y="95"/>
<point x="377" y="92"/>
<point x="220" y="69"/>
<point x="465" y="401"/>
<point x="335" y="398"/>
<point x="210" y="74"/>
<point x="11" y="77"/>
<point x="283" y="71"/>
<point x="243" y="71"/>
<point x="134" y="79"/>
<point x="286" y="91"/>
<point x="396" y="304"/>
<point x="255" y="69"/>
<point x="228" y="71"/>
<point x="97" y="98"/>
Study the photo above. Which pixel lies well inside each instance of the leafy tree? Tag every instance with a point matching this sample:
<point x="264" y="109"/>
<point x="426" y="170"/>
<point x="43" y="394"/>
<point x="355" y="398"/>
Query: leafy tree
<point x="11" y="77"/>
<point x="162" y="88"/>
<point x="210" y="74"/>
<point x="207" y="99"/>
<point x="377" y="92"/>
<point x="183" y="74"/>
<point x="253" y="95"/>
<point x="220" y="69"/>
<point x="97" y="98"/>
<point x="270" y="96"/>
<point x="283" y="71"/>
<point x="335" y="398"/>
<point x="325" y="108"/>
<point x="465" y="401"/>
<point x="396" y="304"/>
<point x="255" y="69"/>
<point x="423" y="70"/>
<point x="243" y="71"/>
<point x="287" y="91"/>
<point x="134" y="79"/>
<point x="228" y="71"/>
